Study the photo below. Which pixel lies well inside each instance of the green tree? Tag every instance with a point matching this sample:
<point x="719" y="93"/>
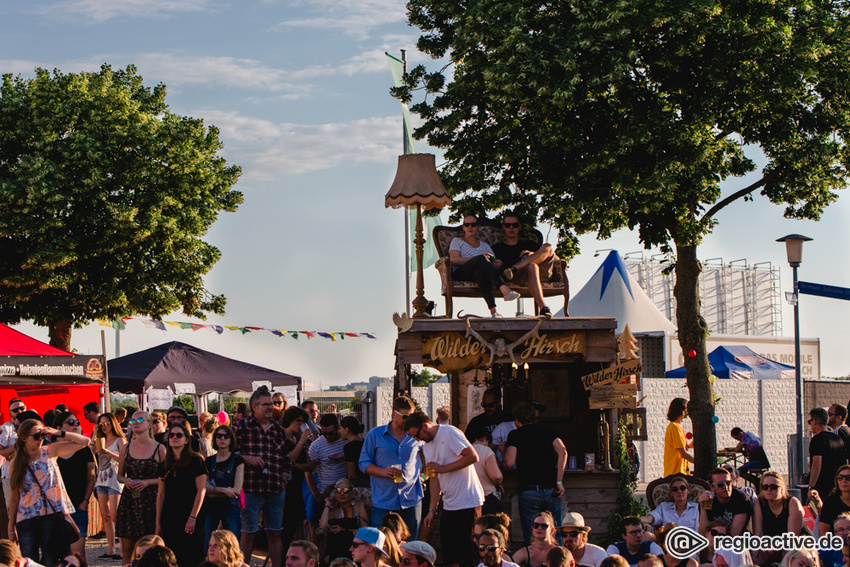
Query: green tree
<point x="423" y="377"/>
<point x="598" y="115"/>
<point x="105" y="194"/>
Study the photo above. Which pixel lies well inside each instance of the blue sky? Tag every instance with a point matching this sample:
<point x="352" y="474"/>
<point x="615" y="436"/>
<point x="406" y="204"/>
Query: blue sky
<point x="300" y="92"/>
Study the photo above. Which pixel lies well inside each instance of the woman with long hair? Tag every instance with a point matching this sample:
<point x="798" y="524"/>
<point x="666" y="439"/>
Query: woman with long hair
<point x="224" y="550"/>
<point x="226" y="473"/>
<point x="180" y="494"/>
<point x="109" y="441"/>
<point x="341" y="518"/>
<point x="775" y="513"/>
<point x="676" y="456"/>
<point x="542" y="540"/>
<point x="351" y="430"/>
<point x="78" y="475"/>
<point x="207" y="443"/>
<point x="474" y="260"/>
<point x="391" y="547"/>
<point x="137" y="468"/>
<point x="799" y="558"/>
<point x="837" y="502"/>
<point x="293" y="504"/>
<point x="38" y="502"/>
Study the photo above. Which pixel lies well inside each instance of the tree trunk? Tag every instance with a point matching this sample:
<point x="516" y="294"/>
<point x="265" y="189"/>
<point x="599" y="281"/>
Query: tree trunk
<point x="60" y="334"/>
<point x="693" y="330"/>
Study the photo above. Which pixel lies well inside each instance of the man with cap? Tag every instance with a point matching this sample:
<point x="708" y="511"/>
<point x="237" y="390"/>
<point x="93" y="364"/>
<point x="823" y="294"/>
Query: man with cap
<point x="177" y="415"/>
<point x="418" y="553"/>
<point x="574" y="534"/>
<point x="367" y="549"/>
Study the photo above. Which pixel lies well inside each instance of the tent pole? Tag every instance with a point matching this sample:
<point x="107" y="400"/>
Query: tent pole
<point x="104" y="401"/>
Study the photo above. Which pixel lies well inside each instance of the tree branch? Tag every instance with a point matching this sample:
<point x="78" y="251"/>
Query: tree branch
<point x="733" y="197"/>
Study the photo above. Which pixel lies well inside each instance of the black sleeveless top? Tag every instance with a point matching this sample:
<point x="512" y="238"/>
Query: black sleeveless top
<point x="774" y="524"/>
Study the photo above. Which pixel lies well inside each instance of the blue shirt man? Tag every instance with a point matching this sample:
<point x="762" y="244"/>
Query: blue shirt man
<point x="387" y="450"/>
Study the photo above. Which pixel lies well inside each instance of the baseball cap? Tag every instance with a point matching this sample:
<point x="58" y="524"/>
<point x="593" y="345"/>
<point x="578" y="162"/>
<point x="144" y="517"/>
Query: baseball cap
<point x="177" y="409"/>
<point x="374" y="537"/>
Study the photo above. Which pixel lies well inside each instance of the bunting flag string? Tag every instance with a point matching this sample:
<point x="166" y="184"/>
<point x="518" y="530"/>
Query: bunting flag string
<point x="121" y="324"/>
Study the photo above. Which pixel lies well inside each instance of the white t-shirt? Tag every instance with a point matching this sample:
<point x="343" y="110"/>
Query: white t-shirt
<point x="8" y="436"/>
<point x="593" y="556"/>
<point x="500" y="435"/>
<point x="504" y="564"/>
<point x="461" y="488"/>
<point x="484" y="453"/>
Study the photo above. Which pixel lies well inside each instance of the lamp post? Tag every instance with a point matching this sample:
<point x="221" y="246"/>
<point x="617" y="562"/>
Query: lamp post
<point x="418" y="185"/>
<point x="794" y="251"/>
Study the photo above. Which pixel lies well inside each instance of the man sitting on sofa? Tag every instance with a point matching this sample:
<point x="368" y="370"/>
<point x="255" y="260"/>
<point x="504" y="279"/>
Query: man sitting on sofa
<point x="528" y="264"/>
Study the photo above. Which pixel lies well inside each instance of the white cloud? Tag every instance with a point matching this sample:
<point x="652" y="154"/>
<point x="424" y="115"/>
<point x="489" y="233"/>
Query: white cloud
<point x="354" y="17"/>
<point x="267" y="149"/>
<point x="102" y="10"/>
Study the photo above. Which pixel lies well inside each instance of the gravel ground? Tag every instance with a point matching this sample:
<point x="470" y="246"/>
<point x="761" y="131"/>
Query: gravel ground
<point x="97" y="547"/>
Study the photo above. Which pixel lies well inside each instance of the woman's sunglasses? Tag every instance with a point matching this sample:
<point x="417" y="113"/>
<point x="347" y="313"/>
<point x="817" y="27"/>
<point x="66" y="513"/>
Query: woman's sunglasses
<point x="343" y="490"/>
<point x="222" y="436"/>
<point x="176" y="435"/>
<point x="136" y="420"/>
<point x="72" y="422"/>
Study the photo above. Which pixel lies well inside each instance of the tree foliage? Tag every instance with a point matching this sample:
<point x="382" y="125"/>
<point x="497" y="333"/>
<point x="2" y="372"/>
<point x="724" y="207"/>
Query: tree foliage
<point x="598" y="115"/>
<point x="105" y="194"/>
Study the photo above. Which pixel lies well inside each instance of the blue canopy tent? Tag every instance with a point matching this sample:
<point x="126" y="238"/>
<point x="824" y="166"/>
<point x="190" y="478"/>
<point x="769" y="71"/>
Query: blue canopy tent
<point x="740" y="363"/>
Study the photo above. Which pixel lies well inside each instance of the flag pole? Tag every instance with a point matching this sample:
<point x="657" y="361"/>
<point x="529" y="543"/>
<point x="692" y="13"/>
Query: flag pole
<point x="406" y="213"/>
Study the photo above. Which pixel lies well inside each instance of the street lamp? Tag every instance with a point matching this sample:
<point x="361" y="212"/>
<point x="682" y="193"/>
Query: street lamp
<point x="794" y="250"/>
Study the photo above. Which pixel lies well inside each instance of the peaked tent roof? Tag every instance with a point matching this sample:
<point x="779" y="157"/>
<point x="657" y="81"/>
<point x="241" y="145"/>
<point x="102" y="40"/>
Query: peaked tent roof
<point x="15" y="343"/>
<point x="611" y="292"/>
<point x="177" y="362"/>
<point x="741" y="363"/>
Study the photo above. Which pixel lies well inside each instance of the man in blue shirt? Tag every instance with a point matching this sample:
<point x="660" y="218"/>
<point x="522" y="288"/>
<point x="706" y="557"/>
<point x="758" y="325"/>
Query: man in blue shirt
<point x="388" y="450"/>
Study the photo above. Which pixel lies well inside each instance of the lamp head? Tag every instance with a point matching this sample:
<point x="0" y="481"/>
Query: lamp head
<point x="794" y="248"/>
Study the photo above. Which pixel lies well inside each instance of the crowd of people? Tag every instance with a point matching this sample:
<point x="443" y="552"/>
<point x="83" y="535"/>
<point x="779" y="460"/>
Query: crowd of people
<point x="729" y="509"/>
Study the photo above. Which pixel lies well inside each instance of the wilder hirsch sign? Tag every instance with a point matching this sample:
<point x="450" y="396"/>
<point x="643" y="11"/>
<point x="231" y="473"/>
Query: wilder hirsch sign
<point x="457" y="352"/>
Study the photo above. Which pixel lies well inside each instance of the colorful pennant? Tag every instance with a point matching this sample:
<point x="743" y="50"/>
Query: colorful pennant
<point x="161" y="325"/>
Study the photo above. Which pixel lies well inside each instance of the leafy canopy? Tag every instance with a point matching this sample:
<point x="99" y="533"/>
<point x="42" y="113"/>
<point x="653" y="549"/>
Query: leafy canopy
<point x="104" y="195"/>
<point x="604" y="114"/>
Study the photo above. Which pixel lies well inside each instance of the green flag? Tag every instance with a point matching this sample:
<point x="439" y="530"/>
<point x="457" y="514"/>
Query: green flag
<point x="429" y="251"/>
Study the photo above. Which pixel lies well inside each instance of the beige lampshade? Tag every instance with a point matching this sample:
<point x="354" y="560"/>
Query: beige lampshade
<point x="416" y="182"/>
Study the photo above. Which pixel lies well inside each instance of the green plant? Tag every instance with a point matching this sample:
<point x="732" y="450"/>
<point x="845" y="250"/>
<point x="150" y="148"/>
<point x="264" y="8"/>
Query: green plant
<point x="186" y="402"/>
<point x="627" y="504"/>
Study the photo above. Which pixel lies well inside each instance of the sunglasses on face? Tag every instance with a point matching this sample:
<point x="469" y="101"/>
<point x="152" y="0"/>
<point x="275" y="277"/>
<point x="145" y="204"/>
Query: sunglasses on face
<point x="715" y="532"/>
<point x="176" y="435"/>
<point x="343" y="490"/>
<point x="844" y="477"/>
<point x="278" y="402"/>
<point x="570" y="533"/>
<point x="540" y="526"/>
<point x="402" y="415"/>
<point x="222" y="436"/>
<point x="356" y="544"/>
<point x="491" y="548"/>
<point x="678" y="488"/>
<point x="17" y="409"/>
<point x="470" y="224"/>
<point x="510" y="224"/>
<point x="66" y="563"/>
<point x="136" y="420"/>
<point x="770" y="487"/>
<point x="73" y="422"/>
<point x="40" y="435"/>
<point x="723" y="484"/>
<point x="155" y="420"/>
<point x="490" y="405"/>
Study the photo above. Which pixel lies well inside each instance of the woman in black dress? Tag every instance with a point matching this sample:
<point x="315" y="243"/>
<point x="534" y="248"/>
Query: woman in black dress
<point x="182" y="486"/>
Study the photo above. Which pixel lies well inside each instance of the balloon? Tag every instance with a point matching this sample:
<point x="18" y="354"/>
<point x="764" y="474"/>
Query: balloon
<point x="689" y="435"/>
<point x="222" y="418"/>
<point x="714" y="419"/>
<point x="692" y="353"/>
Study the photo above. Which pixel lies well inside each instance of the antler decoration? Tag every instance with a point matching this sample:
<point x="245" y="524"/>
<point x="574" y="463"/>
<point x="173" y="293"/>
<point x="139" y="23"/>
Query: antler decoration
<point x="499" y="347"/>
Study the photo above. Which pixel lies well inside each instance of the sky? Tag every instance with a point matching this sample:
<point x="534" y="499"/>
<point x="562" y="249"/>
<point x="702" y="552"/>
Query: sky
<point x="300" y="92"/>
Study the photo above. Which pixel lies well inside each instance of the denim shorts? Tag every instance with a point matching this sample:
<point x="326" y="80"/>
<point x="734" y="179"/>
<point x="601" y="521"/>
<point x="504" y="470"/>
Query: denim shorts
<point x="270" y="504"/>
<point x="81" y="518"/>
<point x="106" y="490"/>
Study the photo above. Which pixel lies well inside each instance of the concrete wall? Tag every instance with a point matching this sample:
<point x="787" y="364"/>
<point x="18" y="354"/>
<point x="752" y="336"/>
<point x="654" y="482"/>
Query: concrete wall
<point x="765" y="407"/>
<point x="428" y="398"/>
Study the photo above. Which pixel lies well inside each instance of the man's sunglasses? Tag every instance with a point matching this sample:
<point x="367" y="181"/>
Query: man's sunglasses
<point x="136" y="420"/>
<point x="570" y="533"/>
<point x="470" y="224"/>
<point x="510" y="224"/>
<point x="723" y="484"/>
<point x="17" y="409"/>
<point x="715" y="533"/>
<point x="403" y="415"/>
<point x="491" y="548"/>
<point x="490" y="405"/>
<point x="176" y="435"/>
<point x="679" y="488"/>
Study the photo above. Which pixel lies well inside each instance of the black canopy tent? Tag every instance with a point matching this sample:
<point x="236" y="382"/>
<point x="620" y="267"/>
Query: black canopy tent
<point x="169" y="363"/>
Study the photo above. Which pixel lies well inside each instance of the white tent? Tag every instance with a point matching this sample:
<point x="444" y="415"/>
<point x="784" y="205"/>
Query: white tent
<point x="612" y="292"/>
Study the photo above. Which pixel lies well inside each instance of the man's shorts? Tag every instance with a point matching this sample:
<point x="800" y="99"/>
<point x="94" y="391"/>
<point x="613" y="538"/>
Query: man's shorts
<point x="546" y="268"/>
<point x="270" y="504"/>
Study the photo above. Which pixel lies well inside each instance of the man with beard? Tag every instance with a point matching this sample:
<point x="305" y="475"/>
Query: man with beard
<point x="491" y="546"/>
<point x="574" y="533"/>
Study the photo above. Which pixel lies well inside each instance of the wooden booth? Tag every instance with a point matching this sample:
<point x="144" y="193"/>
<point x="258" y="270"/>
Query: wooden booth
<point x="554" y="361"/>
